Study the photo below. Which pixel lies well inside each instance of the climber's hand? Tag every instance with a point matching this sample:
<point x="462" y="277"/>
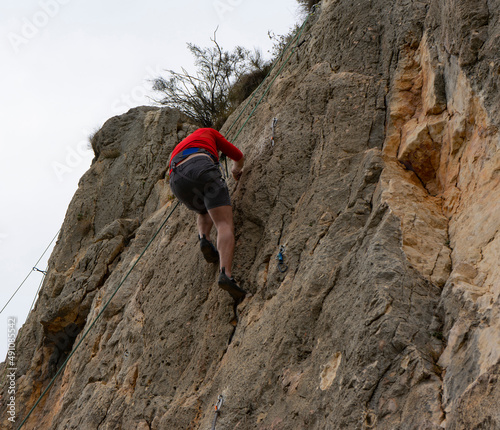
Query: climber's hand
<point x="237" y="168"/>
<point x="236" y="173"/>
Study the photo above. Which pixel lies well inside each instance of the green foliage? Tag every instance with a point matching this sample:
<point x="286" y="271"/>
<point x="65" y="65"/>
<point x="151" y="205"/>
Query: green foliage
<point x="308" y="4"/>
<point x="93" y="140"/>
<point x="280" y="42"/>
<point x="245" y="85"/>
<point x="220" y="84"/>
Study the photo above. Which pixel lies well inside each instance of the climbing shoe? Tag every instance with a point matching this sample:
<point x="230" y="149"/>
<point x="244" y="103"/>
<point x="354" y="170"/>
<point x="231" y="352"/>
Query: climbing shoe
<point x="208" y="250"/>
<point x="230" y="285"/>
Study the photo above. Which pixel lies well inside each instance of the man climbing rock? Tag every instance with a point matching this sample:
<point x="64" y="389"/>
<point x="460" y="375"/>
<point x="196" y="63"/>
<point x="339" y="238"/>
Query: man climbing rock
<point x="196" y="180"/>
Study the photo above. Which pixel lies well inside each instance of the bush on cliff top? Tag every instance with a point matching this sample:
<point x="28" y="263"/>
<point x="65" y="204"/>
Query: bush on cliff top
<point x="308" y="4"/>
<point x="222" y="81"/>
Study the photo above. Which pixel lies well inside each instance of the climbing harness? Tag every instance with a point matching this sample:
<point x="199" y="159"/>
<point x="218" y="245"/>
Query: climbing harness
<point x="218" y="406"/>
<point x="282" y="267"/>
<point x="188" y="152"/>
<point x="273" y="129"/>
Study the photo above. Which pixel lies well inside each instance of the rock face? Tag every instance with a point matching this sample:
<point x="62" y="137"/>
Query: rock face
<point x="383" y="185"/>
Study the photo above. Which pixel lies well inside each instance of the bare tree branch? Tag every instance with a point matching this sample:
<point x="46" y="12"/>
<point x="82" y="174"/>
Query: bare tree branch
<point x="205" y="95"/>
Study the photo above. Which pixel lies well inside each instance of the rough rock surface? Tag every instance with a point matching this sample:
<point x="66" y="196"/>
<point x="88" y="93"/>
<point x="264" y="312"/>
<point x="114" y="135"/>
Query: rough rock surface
<point x="383" y="184"/>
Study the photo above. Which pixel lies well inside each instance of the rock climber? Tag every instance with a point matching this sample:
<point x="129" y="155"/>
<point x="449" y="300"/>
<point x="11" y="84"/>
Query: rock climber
<point x="196" y="180"/>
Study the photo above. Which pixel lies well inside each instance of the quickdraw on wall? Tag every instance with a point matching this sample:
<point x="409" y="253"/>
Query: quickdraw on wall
<point x="282" y="267"/>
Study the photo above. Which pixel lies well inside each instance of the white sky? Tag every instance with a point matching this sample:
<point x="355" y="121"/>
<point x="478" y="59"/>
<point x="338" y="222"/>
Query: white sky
<point x="66" y="67"/>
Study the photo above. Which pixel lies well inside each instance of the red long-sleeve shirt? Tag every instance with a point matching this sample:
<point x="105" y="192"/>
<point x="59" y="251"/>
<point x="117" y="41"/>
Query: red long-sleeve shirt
<point x="210" y="140"/>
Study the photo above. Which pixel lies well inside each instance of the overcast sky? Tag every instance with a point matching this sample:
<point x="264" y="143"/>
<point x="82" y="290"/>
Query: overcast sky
<point x="69" y="65"/>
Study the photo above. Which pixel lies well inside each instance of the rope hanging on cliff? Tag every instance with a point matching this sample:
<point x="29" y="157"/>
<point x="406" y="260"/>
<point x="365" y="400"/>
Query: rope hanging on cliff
<point x="63" y="365"/>
<point x="31" y="271"/>
<point x="264" y="80"/>
<point x="39" y="288"/>
<point x="98" y="315"/>
<point x="296" y="39"/>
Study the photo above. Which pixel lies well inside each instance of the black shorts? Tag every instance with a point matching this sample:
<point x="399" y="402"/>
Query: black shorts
<point x="198" y="183"/>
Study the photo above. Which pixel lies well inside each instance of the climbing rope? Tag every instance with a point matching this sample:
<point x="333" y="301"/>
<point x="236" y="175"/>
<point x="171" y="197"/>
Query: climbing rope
<point x="63" y="365"/>
<point x="296" y="39"/>
<point x="281" y="265"/>
<point x="39" y="288"/>
<point x="31" y="271"/>
<point x="98" y="315"/>
<point x="256" y="91"/>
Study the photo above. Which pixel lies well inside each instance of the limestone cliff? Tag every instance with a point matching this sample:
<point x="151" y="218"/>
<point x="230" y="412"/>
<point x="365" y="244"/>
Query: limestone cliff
<point x="383" y="184"/>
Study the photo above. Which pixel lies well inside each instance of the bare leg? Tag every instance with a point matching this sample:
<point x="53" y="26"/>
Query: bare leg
<point x="205" y="224"/>
<point x="223" y="220"/>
